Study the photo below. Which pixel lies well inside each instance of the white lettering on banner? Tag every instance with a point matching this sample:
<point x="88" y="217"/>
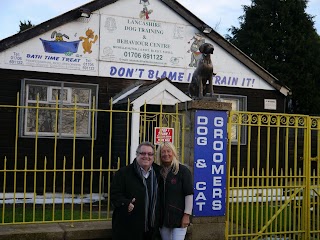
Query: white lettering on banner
<point x="217" y="182"/>
<point x="218" y="122"/>
<point x="201" y="186"/>
<point x="217" y="145"/>
<point x="202" y="141"/>
<point x="217" y="157"/>
<point x="216" y="192"/>
<point x="218" y="133"/>
<point x="210" y="173"/>
<point x="198" y="187"/>
<point x="202" y="120"/>
<point x="201" y="196"/>
<point x="200" y="205"/>
<point x="201" y="163"/>
<point x="202" y="130"/>
<point x="217" y="170"/>
<point x="216" y="205"/>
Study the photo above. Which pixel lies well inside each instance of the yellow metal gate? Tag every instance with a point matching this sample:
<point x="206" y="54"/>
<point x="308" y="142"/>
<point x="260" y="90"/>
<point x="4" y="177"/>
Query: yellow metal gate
<point x="169" y="119"/>
<point x="273" y="182"/>
<point x="51" y="176"/>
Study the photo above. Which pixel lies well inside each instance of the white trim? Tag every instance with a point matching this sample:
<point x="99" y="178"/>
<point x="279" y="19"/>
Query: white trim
<point x="284" y="91"/>
<point x="59" y="88"/>
<point x="50" y="85"/>
<point x="125" y="94"/>
<point x="165" y="85"/>
<point x="163" y="93"/>
<point x="135" y="124"/>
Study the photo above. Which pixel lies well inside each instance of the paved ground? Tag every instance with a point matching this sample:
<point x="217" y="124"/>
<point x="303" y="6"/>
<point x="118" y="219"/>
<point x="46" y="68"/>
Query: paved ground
<point x="57" y="231"/>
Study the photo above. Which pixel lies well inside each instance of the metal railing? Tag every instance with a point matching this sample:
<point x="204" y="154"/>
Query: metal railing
<point x="273" y="187"/>
<point x="57" y="161"/>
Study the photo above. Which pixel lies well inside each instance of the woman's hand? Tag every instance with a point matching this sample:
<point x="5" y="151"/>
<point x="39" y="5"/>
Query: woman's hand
<point x="185" y="222"/>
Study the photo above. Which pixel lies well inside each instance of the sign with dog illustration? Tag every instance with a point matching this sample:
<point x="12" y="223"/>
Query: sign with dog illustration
<point x="69" y="49"/>
<point x="130" y="40"/>
<point x="144" y="42"/>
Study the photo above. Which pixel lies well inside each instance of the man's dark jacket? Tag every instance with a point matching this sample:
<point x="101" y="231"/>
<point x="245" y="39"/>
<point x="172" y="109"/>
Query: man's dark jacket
<point x="126" y="185"/>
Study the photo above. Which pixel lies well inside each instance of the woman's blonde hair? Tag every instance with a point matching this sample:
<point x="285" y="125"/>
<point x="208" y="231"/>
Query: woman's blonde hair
<point x="175" y="157"/>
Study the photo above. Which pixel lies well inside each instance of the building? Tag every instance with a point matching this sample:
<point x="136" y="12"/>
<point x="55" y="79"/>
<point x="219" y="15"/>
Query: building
<point x="96" y="51"/>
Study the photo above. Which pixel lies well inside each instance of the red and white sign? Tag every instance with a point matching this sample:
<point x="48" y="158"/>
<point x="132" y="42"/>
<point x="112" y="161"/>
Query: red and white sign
<point x="163" y="134"/>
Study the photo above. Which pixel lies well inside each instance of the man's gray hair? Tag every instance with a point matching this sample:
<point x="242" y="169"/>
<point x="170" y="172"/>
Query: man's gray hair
<point x="146" y="143"/>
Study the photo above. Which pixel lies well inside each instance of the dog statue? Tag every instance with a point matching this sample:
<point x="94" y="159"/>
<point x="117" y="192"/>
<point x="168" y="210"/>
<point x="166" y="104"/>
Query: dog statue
<point x="204" y="72"/>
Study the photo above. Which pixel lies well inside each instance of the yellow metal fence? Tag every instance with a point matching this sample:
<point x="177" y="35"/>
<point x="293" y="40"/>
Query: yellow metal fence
<point x="273" y="182"/>
<point x="56" y="170"/>
<point x="56" y="162"/>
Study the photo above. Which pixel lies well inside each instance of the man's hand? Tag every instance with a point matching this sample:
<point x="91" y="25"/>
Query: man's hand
<point x="131" y="206"/>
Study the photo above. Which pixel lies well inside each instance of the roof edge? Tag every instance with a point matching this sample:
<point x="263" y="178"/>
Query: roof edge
<point x="226" y="45"/>
<point x="50" y="24"/>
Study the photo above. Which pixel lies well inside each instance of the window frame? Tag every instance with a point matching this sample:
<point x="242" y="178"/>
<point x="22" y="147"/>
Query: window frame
<point x="26" y="83"/>
<point x="241" y="105"/>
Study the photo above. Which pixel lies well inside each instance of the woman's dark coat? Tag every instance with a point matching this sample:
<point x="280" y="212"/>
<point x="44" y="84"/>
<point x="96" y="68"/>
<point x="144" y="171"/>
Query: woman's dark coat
<point x="172" y="194"/>
<point x="126" y="185"/>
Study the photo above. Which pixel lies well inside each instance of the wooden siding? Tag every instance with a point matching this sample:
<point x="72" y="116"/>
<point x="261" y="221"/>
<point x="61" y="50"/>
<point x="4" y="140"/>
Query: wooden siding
<point x="108" y="87"/>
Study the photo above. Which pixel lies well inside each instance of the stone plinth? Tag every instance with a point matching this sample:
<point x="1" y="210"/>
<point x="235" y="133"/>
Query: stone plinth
<point x="202" y="228"/>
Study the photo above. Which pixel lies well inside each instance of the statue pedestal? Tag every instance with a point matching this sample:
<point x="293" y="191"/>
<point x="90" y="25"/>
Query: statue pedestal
<point x="208" y="227"/>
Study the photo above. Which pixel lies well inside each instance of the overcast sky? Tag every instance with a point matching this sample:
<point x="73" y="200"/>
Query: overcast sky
<point x="219" y="14"/>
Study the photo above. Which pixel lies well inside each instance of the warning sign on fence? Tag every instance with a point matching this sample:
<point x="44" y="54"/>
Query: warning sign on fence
<point x="163" y="134"/>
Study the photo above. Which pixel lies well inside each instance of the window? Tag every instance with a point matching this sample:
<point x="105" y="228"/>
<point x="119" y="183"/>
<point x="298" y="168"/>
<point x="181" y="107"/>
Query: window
<point x="53" y="117"/>
<point x="238" y="103"/>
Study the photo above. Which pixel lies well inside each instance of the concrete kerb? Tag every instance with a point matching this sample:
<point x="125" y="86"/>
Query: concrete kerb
<point x="57" y="231"/>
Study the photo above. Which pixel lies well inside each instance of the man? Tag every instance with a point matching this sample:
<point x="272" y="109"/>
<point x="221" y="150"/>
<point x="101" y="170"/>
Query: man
<point x="134" y="197"/>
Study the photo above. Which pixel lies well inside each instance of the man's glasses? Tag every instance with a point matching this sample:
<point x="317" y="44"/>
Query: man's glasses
<point x="145" y="153"/>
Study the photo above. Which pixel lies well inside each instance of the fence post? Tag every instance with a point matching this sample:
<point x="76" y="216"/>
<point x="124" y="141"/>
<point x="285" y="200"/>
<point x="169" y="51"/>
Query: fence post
<point x="206" y="154"/>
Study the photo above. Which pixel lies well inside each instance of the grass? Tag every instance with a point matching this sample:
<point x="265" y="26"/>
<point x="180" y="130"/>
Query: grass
<point x="256" y="216"/>
<point x="248" y="220"/>
<point x="48" y="214"/>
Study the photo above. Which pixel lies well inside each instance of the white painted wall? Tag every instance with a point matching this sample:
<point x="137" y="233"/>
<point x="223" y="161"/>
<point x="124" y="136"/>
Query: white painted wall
<point x="128" y="46"/>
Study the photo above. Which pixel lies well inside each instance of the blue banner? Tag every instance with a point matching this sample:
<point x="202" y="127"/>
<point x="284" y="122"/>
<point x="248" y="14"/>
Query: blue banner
<point x="210" y="154"/>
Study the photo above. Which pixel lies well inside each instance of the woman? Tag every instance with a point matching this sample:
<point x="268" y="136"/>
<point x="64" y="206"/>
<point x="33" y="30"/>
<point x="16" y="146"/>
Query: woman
<point x="176" y="194"/>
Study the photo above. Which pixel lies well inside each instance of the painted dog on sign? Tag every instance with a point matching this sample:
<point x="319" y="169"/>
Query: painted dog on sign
<point x="203" y="73"/>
